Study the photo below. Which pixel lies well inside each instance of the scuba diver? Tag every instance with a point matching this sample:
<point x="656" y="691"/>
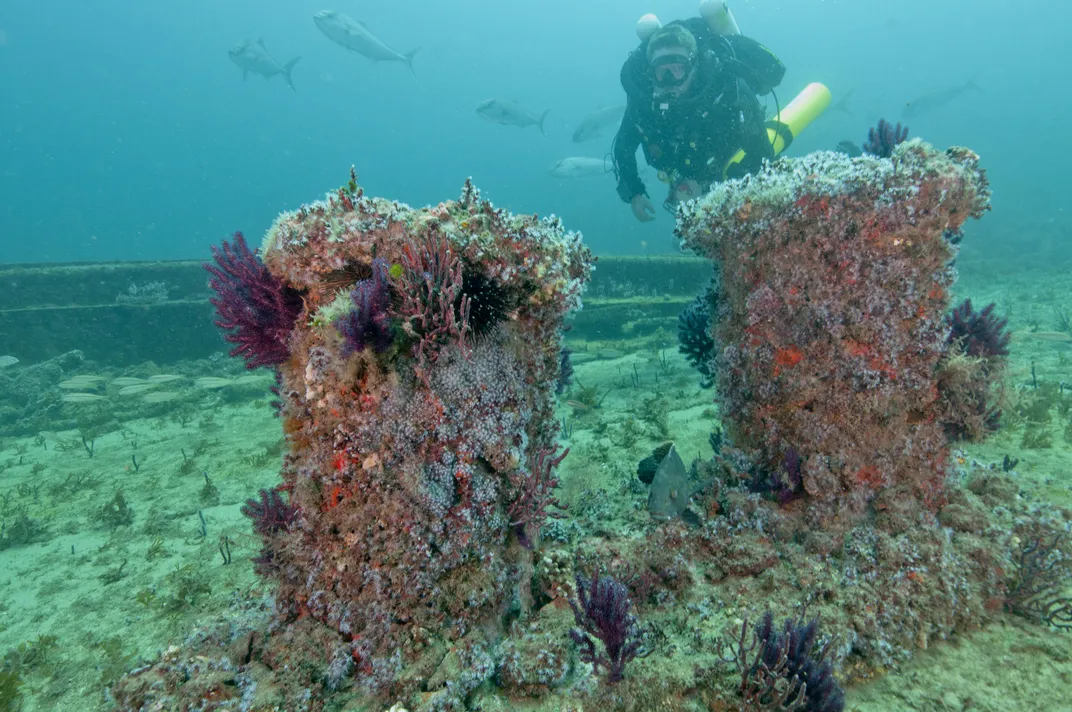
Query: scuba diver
<point x="692" y="105"/>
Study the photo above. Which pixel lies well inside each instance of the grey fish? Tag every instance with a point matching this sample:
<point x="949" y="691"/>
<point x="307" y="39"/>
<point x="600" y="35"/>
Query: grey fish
<point x="6" y="361"/>
<point x="593" y="125"/>
<point x="254" y="57"/>
<point x="509" y="113"/>
<point x="936" y="99"/>
<point x="579" y="167"/>
<point x="849" y="148"/>
<point x="356" y="37"/>
<point x="670" y="491"/>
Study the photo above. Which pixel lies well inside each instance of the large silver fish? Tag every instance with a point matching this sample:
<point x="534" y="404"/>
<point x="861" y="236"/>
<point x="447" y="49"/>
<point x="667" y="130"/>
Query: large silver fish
<point x="509" y="113"/>
<point x="356" y="37"/>
<point x="936" y="99"/>
<point x="593" y="125"/>
<point x="670" y="491"/>
<point x="254" y="57"/>
<point x="579" y="167"/>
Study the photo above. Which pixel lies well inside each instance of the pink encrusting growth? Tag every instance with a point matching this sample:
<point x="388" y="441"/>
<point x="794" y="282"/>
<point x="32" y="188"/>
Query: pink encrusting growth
<point x="536" y="487"/>
<point x="421" y="469"/>
<point x="832" y="322"/>
<point x="433" y="308"/>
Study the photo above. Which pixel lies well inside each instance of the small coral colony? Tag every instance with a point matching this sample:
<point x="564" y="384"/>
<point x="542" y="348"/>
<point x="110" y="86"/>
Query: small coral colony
<point x="418" y="353"/>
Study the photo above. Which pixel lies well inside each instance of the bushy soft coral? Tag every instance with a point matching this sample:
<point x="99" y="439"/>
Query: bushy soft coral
<point x="433" y="308"/>
<point x="271" y="514"/>
<point x="602" y="611"/>
<point x="882" y="139"/>
<point x="368" y="324"/>
<point x="528" y="513"/>
<point x="1042" y="571"/>
<point x="257" y="308"/>
<point x="784" y="670"/>
<point x="979" y="334"/>
<point x="969" y="377"/>
<point x="804" y="665"/>
<point x="785" y="483"/>
<point x="10" y="682"/>
<point x="694" y="334"/>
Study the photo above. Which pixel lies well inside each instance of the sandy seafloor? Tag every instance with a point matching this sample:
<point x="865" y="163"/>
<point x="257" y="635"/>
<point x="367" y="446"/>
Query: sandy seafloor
<point x="108" y="598"/>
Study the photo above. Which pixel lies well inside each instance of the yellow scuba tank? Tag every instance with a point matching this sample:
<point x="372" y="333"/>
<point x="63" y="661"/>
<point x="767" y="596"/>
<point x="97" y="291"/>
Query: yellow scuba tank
<point x="791" y="120"/>
<point x="718" y="17"/>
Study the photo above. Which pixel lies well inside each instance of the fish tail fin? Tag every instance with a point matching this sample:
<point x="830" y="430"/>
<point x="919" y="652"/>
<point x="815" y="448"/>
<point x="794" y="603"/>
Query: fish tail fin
<point x="286" y="71"/>
<point x="972" y="84"/>
<point x="407" y="59"/>
<point x="539" y="124"/>
<point x="843" y="105"/>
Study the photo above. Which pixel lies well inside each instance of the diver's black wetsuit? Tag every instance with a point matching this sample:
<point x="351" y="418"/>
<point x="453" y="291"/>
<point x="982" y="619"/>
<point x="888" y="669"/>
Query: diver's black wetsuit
<point x="693" y="136"/>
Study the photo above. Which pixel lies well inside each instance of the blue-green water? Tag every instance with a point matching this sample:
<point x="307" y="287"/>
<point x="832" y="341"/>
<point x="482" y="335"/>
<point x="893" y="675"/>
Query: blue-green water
<point x="126" y="132"/>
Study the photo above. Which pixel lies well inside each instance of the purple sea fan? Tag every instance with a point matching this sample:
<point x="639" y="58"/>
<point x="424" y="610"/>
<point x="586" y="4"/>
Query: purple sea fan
<point x="257" y="308"/>
<point x="271" y="514"/>
<point x="602" y="611"/>
<point x="783" y="670"/>
<point x="369" y="323"/>
<point x="980" y="334"/>
<point x="885" y="137"/>
<point x="794" y="655"/>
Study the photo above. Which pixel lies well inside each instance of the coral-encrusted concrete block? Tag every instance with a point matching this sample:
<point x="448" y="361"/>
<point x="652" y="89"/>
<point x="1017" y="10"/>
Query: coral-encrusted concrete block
<point x="831" y="321"/>
<point x="417" y="402"/>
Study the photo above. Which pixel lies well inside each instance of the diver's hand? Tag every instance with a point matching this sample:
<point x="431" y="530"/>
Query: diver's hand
<point x="643" y="210"/>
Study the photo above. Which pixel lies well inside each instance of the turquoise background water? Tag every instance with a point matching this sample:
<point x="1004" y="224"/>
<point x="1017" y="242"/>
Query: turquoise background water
<point x="126" y="132"/>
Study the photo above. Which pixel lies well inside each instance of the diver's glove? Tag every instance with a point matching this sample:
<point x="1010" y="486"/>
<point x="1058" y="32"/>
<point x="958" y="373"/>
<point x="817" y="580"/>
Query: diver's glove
<point x="643" y="210"/>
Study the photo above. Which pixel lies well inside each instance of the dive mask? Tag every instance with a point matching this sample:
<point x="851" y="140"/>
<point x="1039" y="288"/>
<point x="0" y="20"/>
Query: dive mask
<point x="671" y="70"/>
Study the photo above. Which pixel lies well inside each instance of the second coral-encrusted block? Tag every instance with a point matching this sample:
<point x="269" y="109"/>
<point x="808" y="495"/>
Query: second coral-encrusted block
<point x="832" y="318"/>
<point x="413" y="430"/>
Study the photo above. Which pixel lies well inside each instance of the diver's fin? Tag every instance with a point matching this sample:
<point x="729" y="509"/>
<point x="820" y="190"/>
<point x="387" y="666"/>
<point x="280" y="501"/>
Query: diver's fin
<point x="286" y="71"/>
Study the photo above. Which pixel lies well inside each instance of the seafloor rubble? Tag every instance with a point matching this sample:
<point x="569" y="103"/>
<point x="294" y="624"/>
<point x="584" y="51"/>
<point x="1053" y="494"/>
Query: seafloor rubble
<point x="832" y="535"/>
